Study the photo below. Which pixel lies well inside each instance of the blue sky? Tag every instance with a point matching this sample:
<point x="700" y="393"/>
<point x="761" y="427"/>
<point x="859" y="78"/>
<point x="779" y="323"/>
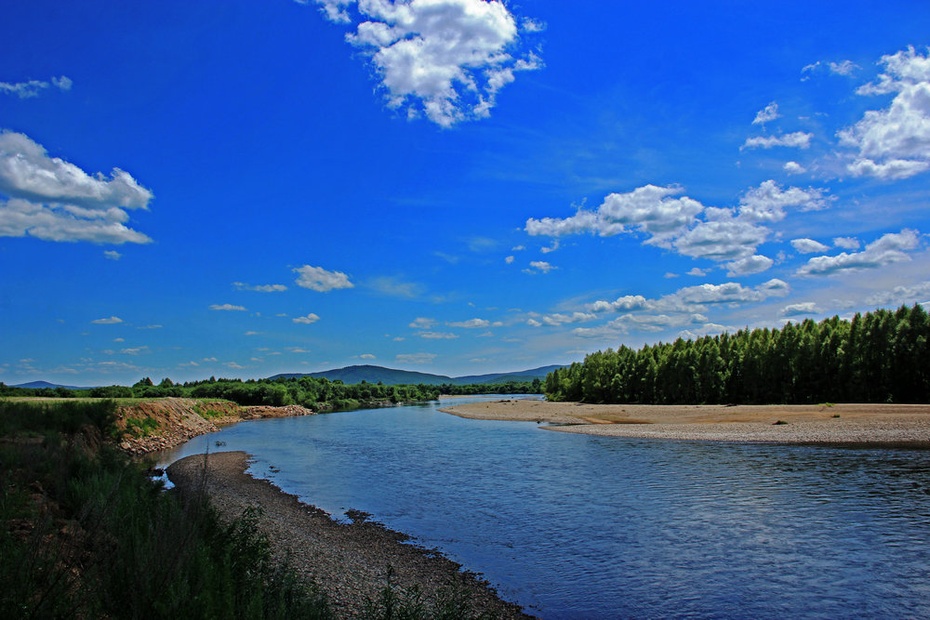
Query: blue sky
<point x="249" y="187"/>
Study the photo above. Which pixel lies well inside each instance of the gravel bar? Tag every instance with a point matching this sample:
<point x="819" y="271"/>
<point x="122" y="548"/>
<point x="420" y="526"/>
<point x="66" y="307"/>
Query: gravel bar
<point x="350" y="562"/>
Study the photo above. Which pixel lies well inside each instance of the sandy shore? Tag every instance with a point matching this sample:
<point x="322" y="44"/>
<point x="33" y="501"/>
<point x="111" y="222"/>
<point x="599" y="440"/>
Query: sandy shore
<point x="350" y="562"/>
<point x="842" y="424"/>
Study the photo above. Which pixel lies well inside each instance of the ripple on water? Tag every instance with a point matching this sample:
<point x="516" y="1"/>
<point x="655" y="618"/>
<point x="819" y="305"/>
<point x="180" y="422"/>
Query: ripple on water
<point x="573" y="526"/>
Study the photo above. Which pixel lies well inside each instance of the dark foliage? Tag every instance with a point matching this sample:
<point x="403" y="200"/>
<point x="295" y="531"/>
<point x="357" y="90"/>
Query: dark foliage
<point x="882" y="356"/>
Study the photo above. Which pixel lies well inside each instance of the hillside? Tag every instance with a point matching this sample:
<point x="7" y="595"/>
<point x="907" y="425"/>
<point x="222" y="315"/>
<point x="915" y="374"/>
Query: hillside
<point x="391" y="376"/>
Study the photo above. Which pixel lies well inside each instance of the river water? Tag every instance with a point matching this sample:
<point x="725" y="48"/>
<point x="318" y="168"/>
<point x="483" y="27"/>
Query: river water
<point x="575" y="526"/>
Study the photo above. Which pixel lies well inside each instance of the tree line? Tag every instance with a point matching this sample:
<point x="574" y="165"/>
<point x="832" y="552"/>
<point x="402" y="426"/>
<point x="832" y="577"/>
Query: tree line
<point x="881" y="356"/>
<point x="318" y="394"/>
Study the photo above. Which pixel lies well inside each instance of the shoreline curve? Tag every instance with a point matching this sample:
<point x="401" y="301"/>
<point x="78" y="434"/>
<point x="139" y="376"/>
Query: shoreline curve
<point x="350" y="562"/>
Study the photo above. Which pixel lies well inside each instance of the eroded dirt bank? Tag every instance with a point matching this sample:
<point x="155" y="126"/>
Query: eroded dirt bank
<point x="164" y="423"/>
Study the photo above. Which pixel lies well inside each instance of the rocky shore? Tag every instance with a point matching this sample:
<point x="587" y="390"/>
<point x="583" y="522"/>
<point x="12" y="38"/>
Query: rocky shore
<point x="351" y="562"/>
<point x="886" y="425"/>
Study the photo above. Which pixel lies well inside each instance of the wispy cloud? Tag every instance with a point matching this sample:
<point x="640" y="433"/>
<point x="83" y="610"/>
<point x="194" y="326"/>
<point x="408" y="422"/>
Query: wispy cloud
<point x="33" y="88"/>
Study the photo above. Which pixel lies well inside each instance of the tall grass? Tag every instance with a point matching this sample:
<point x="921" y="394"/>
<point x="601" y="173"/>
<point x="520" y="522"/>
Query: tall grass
<point x="85" y="533"/>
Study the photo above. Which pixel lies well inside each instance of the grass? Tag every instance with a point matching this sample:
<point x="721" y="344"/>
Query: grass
<point x="85" y="533"/>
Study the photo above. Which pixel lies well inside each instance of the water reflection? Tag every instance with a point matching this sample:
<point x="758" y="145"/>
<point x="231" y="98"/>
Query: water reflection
<point x="592" y="527"/>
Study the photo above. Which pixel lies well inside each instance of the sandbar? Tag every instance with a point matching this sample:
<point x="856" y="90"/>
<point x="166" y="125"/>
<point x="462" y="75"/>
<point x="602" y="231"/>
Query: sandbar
<point x="882" y="425"/>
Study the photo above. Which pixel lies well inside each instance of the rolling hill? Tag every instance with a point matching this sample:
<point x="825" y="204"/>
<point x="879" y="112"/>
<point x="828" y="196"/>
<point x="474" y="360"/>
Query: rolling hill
<point x="391" y="376"/>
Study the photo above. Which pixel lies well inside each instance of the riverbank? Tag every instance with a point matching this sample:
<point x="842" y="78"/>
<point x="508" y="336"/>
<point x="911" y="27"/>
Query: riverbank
<point x="837" y="424"/>
<point x="351" y="562"/>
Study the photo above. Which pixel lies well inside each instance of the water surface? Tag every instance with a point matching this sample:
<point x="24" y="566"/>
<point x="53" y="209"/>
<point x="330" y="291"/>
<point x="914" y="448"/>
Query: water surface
<point x="575" y="526"/>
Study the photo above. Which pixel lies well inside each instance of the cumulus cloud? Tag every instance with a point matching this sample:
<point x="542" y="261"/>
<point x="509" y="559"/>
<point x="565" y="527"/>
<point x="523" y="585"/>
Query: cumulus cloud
<point x="51" y="199"/>
<point x="808" y="246"/>
<point x="807" y="307"/>
<point x="793" y="167"/>
<point x="306" y="320"/>
<point x="894" y="142"/>
<point x="890" y="248"/>
<point x="445" y="59"/>
<point x="227" y="308"/>
<point x="680" y="223"/>
<point x="33" y="88"/>
<point x="767" y="203"/>
<point x="321" y="280"/>
<point x="749" y="265"/>
<point x="847" y="243"/>
<point x="797" y="139"/>
<point x="650" y="209"/>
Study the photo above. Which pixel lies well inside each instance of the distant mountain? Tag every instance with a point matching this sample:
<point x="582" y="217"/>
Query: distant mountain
<point x="391" y="376"/>
<point x="38" y="385"/>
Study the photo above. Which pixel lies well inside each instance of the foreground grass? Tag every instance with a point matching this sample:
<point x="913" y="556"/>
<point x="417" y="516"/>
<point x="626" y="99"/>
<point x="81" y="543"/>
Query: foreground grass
<point x="84" y="532"/>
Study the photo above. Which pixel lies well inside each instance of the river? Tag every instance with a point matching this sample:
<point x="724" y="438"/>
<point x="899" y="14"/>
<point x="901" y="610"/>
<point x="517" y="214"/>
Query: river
<point x="576" y="526"/>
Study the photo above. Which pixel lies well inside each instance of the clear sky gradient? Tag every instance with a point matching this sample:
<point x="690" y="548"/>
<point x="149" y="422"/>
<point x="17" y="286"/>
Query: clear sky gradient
<point x="249" y="187"/>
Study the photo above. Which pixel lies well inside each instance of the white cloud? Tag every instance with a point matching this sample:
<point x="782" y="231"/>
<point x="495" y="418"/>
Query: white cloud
<point x="648" y="209"/>
<point x="260" y="288"/>
<point x="509" y="260"/>
<point x="51" y="199"/>
<point x="557" y="319"/>
<point x="807" y="307"/>
<point x="396" y="287"/>
<point x="683" y="224"/>
<point x="471" y="323"/>
<point x="808" y="246"/>
<point x="697" y="272"/>
<point x="307" y="320"/>
<point x="438" y="336"/>
<point x="767" y="203"/>
<point x="894" y="143"/>
<point x="797" y="139"/>
<point x="445" y="59"/>
<point x="901" y="295"/>
<point x="625" y="303"/>
<point x="890" y="248"/>
<point x="227" y="308"/>
<point x="367" y="356"/>
<point x="843" y="67"/>
<point x="793" y="167"/>
<point x="749" y="265"/>
<point x="767" y="114"/>
<point x="721" y="237"/>
<point x="422" y="322"/>
<point x="415" y="358"/>
<point x="847" y="243"/>
<point x="320" y="280"/>
<point x="539" y="266"/>
<point x="113" y="320"/>
<point x="112" y="255"/>
<point x="32" y="88"/>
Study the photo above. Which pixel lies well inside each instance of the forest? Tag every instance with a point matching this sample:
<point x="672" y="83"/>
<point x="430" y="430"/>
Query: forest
<point x="879" y="357"/>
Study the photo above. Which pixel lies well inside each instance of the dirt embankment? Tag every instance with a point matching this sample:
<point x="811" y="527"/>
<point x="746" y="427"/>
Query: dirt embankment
<point x="164" y="423"/>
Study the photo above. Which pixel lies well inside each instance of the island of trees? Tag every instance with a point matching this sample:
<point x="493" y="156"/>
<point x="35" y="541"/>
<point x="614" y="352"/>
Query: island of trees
<point x="881" y="356"/>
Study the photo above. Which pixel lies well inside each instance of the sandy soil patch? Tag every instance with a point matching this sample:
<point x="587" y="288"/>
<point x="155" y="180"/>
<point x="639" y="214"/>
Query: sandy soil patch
<point x="860" y="424"/>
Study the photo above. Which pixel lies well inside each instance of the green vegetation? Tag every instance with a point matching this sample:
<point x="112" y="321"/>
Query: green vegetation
<point x="84" y="533"/>
<point x="882" y="356"/>
<point x="318" y="394"/>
